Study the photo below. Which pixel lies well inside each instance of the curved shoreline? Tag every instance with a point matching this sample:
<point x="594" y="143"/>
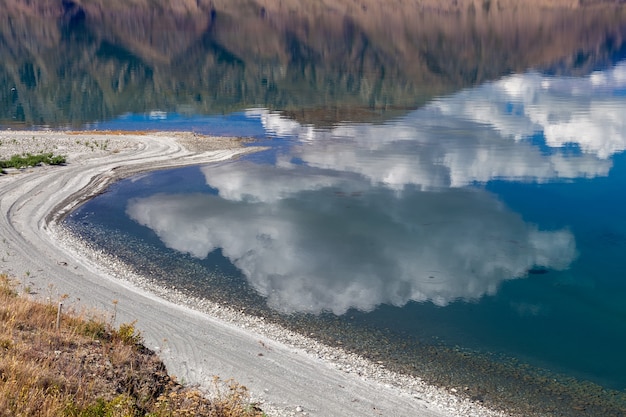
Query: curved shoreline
<point x="288" y="373"/>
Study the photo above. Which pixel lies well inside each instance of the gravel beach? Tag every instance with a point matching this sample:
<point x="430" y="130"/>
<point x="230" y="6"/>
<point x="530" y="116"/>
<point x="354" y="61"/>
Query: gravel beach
<point x="288" y="374"/>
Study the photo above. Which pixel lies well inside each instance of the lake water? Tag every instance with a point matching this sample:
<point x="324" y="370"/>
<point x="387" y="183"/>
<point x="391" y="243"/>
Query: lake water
<point x="491" y="219"/>
<point x="469" y="229"/>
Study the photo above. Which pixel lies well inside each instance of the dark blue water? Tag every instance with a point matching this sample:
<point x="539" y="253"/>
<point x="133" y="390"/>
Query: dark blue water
<point x="492" y="219"/>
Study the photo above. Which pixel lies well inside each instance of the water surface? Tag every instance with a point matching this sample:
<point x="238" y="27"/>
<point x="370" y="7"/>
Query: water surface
<point x="489" y="221"/>
<point x="443" y="191"/>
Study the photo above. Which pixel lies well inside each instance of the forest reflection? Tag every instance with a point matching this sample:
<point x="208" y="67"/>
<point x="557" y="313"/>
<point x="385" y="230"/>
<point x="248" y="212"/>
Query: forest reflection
<point x="76" y="62"/>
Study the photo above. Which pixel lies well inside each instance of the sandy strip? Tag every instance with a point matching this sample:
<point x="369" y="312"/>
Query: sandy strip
<point x="287" y="373"/>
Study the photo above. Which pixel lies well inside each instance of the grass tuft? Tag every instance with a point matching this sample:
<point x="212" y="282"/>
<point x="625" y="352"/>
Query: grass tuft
<point x="127" y="334"/>
<point x="30" y="160"/>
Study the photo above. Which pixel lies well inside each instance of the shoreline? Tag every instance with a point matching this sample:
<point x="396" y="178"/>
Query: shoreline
<point x="287" y="373"/>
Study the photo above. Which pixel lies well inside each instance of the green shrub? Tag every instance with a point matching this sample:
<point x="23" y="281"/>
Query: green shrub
<point x="120" y="406"/>
<point x="29" y="160"/>
<point x="128" y="334"/>
<point x="95" y="329"/>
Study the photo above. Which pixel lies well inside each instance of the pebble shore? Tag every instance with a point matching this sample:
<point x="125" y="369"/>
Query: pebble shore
<point x="341" y="360"/>
<point x="80" y="148"/>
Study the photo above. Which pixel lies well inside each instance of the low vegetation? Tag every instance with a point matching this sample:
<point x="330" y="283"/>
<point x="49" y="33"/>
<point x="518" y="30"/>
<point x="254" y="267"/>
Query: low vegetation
<point x="29" y="160"/>
<point x="87" y="368"/>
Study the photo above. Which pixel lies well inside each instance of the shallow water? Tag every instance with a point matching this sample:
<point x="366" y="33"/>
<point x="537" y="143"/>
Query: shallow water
<point x="490" y="219"/>
<point x="428" y="201"/>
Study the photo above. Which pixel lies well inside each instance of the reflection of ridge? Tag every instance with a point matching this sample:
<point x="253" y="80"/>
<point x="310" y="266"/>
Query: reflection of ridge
<point x="73" y="14"/>
<point x="318" y="65"/>
<point x="582" y="62"/>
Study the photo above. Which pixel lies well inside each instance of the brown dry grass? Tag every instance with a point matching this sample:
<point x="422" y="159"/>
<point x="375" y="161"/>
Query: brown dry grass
<point x="86" y="368"/>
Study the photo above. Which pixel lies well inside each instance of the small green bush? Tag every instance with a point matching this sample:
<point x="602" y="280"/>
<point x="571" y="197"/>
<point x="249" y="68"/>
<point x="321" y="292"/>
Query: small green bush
<point x="128" y="334"/>
<point x="120" y="406"/>
<point x="95" y="329"/>
<point x="29" y="160"/>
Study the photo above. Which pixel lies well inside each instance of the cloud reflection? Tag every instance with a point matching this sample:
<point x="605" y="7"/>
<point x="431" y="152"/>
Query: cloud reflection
<point x="521" y="128"/>
<point x="587" y="112"/>
<point x="331" y="248"/>
<point x="360" y="215"/>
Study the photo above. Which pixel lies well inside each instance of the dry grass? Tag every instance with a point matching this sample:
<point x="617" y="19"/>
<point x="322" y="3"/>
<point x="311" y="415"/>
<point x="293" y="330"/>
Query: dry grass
<point x="89" y="369"/>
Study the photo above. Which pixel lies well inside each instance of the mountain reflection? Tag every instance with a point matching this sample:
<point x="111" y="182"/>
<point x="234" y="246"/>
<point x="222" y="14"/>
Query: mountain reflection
<point x="333" y="249"/>
<point x="74" y="62"/>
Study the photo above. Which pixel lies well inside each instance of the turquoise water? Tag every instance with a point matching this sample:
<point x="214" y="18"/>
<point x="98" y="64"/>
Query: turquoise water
<point x="491" y="220"/>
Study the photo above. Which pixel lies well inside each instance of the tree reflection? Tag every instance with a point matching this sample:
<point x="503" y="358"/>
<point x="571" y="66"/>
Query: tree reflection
<point x="77" y="62"/>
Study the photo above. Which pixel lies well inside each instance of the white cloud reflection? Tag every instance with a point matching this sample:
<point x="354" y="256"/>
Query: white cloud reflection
<point x="480" y="134"/>
<point x="331" y="248"/>
<point x="587" y="111"/>
<point x="361" y="215"/>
